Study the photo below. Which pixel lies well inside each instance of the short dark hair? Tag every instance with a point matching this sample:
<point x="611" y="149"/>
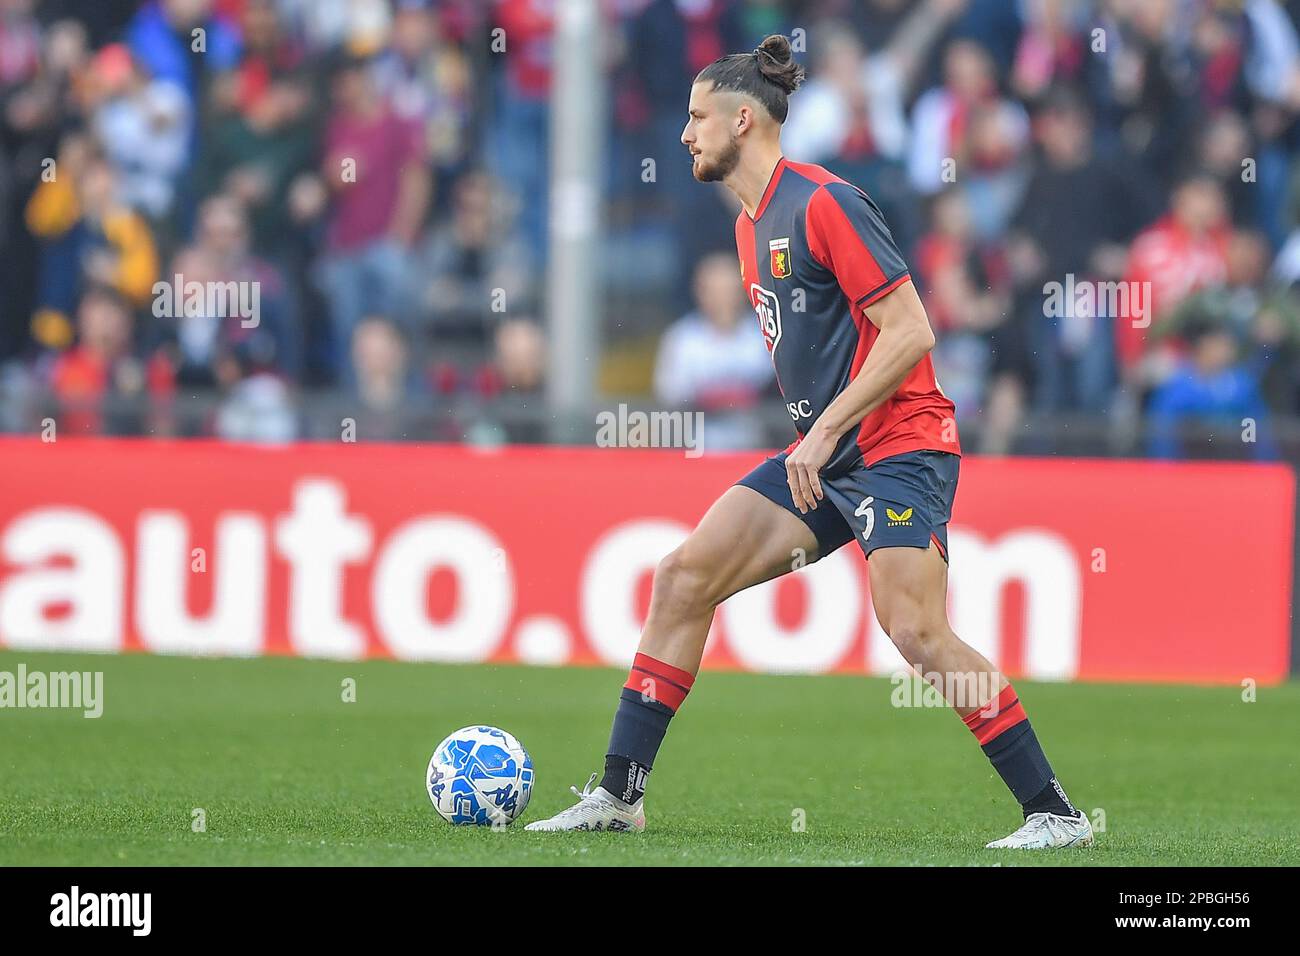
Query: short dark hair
<point x="103" y="292"/>
<point x="769" y="74"/>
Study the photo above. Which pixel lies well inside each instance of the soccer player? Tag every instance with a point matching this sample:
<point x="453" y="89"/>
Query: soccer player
<point x="875" y="460"/>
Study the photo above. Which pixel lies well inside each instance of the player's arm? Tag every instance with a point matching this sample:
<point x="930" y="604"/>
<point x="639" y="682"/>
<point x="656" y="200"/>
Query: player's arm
<point x="905" y="338"/>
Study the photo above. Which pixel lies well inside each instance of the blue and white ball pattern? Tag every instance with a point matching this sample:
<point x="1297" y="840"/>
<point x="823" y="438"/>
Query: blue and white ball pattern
<point x="480" y="776"/>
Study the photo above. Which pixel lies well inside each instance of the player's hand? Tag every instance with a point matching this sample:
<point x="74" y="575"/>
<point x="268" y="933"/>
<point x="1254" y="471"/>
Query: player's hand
<point x="802" y="467"/>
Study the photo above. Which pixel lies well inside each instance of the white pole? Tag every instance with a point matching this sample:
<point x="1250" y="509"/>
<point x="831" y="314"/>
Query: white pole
<point x="577" y="137"/>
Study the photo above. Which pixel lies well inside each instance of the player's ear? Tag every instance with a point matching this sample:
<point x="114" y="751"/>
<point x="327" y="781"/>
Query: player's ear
<point x="744" y="118"/>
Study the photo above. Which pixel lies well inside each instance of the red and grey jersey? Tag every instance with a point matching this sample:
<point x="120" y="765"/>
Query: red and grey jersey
<point x="814" y="256"/>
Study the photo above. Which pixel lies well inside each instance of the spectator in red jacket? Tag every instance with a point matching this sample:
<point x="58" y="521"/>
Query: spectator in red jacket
<point x="1183" y="252"/>
<point x="97" y="384"/>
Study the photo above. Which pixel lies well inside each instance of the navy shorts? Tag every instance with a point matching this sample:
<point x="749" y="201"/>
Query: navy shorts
<point x="904" y="501"/>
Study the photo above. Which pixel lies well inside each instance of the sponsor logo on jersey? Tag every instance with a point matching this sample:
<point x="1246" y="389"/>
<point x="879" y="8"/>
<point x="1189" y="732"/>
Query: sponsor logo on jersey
<point x="898" y="519"/>
<point x="768" y="307"/>
<point x="780" y="250"/>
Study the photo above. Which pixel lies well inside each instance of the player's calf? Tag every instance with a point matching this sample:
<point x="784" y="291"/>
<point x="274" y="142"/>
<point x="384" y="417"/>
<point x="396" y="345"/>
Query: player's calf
<point x="909" y="586"/>
<point x="744" y="539"/>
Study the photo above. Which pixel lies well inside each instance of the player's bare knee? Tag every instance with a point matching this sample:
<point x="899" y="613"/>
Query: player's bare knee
<point x="683" y="584"/>
<point x="915" y="635"/>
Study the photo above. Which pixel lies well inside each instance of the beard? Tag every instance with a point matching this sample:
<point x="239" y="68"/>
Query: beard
<point x="722" y="167"/>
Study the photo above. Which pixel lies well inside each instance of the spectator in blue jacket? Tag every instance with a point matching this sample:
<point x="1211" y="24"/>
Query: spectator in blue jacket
<point x="1211" y="391"/>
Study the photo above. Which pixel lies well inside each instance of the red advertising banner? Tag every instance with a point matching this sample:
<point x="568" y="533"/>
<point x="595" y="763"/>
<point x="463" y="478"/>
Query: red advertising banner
<point x="1091" y="570"/>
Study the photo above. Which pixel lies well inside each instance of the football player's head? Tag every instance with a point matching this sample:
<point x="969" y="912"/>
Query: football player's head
<point x="736" y="99"/>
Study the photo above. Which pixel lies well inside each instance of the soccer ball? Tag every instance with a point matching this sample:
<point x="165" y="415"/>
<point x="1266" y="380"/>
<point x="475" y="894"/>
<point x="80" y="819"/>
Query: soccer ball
<point x="480" y="776"/>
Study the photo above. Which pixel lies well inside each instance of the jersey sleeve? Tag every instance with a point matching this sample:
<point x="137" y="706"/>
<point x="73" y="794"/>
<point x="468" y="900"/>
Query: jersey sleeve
<point x="847" y="234"/>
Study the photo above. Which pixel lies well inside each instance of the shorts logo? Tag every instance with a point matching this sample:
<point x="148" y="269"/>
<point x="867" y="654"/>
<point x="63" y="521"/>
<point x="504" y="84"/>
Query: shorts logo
<point x="780" y="250"/>
<point x="864" y="510"/>
<point x="899" y="520"/>
<point x="768" y="307"/>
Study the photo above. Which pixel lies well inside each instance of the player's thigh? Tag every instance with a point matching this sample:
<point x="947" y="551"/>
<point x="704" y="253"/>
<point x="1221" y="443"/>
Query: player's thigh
<point x="899" y="509"/>
<point x="909" y="590"/>
<point x="743" y="539"/>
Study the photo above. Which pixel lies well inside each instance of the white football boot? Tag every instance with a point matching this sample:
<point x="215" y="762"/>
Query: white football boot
<point x="596" y="810"/>
<point x="1047" y="831"/>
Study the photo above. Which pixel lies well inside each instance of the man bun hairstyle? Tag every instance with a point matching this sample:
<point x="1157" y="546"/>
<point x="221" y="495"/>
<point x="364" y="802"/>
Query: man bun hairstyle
<point x="769" y="74"/>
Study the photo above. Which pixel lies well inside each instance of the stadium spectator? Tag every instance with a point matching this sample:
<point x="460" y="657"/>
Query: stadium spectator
<point x="428" y="82"/>
<point x="269" y="50"/>
<point x="851" y="114"/>
<point x="87" y="237"/>
<point x="183" y="42"/>
<point x="1212" y="390"/>
<point x="100" y="384"/>
<point x="1105" y="205"/>
<point x="714" y="361"/>
<point x="519" y="367"/>
<point x="512" y="382"/>
<point x="477" y="267"/>
<point x="1264" y="316"/>
<point x="1181" y="253"/>
<point x="1053" y="48"/>
<point x="143" y="126"/>
<point x="20" y="39"/>
<point x="941" y="120"/>
<point x="207" y="342"/>
<point x="1275" y="351"/>
<point x="520" y="348"/>
<point x="258" y="404"/>
<point x="381" y="370"/>
<point x="1224" y="151"/>
<point x="967" y="298"/>
<point x="347" y="140"/>
<point x="995" y="173"/>
<point x="852" y="110"/>
<point x="518" y="124"/>
<point x="375" y="166"/>
<point x="255" y="152"/>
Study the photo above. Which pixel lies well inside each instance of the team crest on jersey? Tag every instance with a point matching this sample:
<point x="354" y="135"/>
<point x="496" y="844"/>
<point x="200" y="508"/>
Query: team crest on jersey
<point x="780" y="250"/>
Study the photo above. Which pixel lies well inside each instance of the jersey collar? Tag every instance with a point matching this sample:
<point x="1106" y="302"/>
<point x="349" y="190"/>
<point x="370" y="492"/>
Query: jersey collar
<point x="767" y="193"/>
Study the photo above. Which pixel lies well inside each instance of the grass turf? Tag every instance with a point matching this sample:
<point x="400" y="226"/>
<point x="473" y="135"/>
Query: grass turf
<point x="288" y="773"/>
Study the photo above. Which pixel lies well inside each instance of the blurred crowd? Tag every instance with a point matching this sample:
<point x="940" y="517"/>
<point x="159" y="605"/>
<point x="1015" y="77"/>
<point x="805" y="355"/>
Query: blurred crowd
<point x="378" y="171"/>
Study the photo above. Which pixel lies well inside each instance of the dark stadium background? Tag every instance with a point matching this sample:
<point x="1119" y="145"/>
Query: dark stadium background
<point x="216" y="162"/>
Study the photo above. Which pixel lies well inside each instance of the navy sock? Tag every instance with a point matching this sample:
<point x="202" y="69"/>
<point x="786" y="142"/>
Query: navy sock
<point x="1008" y="740"/>
<point x="624" y="778"/>
<point x="649" y="699"/>
<point x="1052" y="799"/>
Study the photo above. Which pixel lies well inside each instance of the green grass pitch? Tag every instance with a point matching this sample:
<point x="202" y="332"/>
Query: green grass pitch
<point x="286" y="772"/>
